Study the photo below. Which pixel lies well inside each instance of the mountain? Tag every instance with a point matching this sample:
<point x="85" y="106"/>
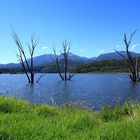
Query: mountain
<point x="92" y="58"/>
<point x="43" y="59"/>
<point x="110" y="62"/>
<point x="77" y="58"/>
<point x="47" y="59"/>
<point x="114" y="55"/>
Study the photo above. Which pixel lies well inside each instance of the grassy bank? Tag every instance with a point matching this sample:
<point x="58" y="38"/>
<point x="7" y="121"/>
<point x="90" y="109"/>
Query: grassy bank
<point x="21" y="120"/>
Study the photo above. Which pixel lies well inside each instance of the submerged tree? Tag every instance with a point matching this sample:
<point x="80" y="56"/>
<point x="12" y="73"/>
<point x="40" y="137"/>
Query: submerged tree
<point x="132" y="62"/>
<point x="63" y="73"/>
<point x="28" y="66"/>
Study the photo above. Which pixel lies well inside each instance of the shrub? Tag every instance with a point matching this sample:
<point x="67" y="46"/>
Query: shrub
<point x="109" y="113"/>
<point x="46" y="111"/>
<point x="9" y="105"/>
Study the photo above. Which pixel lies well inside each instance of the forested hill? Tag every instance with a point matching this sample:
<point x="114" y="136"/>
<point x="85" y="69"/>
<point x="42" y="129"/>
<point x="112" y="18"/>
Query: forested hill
<point x="109" y="62"/>
<point x="105" y="66"/>
<point x="76" y="67"/>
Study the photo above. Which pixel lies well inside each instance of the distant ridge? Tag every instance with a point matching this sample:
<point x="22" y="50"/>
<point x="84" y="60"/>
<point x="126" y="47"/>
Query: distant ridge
<point x="48" y="58"/>
<point x="114" y="55"/>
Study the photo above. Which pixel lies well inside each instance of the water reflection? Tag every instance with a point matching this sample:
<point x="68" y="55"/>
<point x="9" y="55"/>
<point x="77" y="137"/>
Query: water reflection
<point x="61" y="98"/>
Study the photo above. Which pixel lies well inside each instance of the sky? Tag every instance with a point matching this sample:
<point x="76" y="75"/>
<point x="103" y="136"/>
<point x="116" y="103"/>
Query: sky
<point x="92" y="27"/>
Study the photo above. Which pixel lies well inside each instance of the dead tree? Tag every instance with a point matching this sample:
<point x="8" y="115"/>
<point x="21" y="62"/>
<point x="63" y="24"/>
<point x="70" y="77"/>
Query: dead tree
<point x="28" y="66"/>
<point x="56" y="60"/>
<point x="64" y="74"/>
<point x="133" y="65"/>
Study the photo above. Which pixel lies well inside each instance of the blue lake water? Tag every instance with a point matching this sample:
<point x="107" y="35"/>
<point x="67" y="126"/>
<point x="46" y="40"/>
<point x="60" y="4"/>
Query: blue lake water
<point x="90" y="90"/>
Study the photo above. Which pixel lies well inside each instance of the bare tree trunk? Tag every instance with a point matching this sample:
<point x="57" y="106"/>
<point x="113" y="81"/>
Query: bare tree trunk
<point x="24" y="68"/>
<point x="134" y="76"/>
<point x="56" y="60"/>
<point x="65" y="54"/>
<point x="32" y="78"/>
<point x="32" y="69"/>
<point x="66" y="49"/>
<point x="22" y="56"/>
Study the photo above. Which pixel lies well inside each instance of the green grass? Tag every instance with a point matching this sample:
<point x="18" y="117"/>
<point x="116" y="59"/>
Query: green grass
<point x="19" y="120"/>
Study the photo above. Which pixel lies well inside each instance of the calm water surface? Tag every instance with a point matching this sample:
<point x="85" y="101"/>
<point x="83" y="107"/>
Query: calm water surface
<point x="90" y="90"/>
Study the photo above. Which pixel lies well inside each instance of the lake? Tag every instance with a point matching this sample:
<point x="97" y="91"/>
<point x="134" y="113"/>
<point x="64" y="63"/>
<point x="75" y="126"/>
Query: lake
<point x="89" y="90"/>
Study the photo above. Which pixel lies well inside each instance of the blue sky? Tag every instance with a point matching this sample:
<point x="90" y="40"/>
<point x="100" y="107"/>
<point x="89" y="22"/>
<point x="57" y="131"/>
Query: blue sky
<point x="92" y="26"/>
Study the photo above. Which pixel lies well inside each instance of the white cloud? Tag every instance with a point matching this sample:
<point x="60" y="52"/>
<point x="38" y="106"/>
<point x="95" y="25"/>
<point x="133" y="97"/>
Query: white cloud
<point x="81" y="50"/>
<point x="44" y="48"/>
<point x="101" y="51"/>
<point x="117" y="47"/>
<point x="134" y="46"/>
